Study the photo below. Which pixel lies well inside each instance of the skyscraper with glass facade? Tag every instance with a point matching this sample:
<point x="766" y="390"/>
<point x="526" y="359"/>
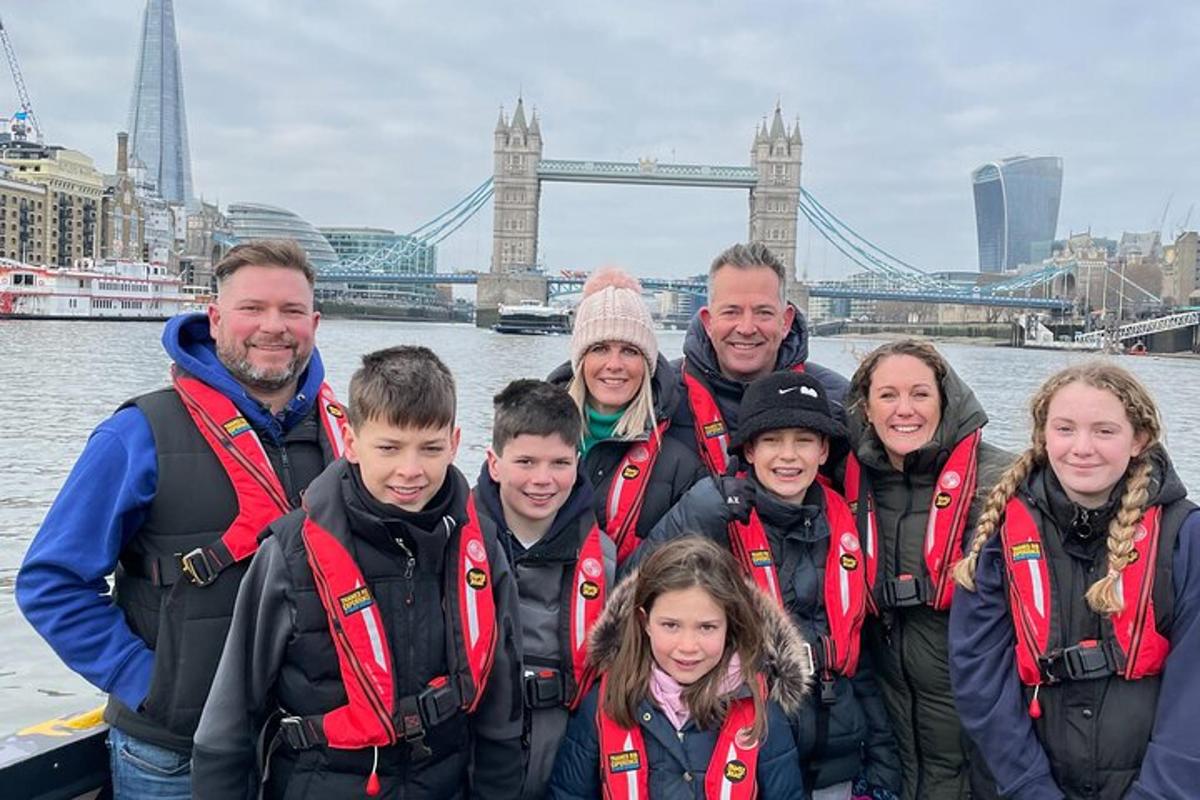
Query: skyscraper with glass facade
<point x="157" y="124"/>
<point x="1016" y="210"/>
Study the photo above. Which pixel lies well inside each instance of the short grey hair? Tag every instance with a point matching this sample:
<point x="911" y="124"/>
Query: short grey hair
<point x="749" y="256"/>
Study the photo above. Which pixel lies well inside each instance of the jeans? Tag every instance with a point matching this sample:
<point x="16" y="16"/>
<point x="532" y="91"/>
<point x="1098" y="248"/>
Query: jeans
<point x="143" y="770"/>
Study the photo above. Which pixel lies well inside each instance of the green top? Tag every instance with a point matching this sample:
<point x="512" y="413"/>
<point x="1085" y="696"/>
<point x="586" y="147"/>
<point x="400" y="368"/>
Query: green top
<point x="598" y="426"/>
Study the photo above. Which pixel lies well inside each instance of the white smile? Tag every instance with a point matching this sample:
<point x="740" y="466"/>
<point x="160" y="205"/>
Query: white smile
<point x="906" y="428"/>
<point x="787" y="473"/>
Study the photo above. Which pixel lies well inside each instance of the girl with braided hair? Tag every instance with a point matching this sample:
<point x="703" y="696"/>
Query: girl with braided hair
<point x="1074" y="647"/>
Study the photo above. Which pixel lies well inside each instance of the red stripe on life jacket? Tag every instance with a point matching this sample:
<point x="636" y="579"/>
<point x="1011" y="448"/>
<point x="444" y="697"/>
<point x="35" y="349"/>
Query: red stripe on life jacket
<point x="627" y="492"/>
<point x="732" y="768"/>
<point x="1134" y="630"/>
<point x="845" y="589"/>
<point x="477" y="605"/>
<point x="948" y="511"/>
<point x="333" y="420"/>
<point x="261" y="498"/>
<point x="589" y="591"/>
<point x="364" y="656"/>
<point x="712" y="434"/>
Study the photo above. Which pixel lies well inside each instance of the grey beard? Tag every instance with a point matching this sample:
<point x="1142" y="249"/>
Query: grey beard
<point x="260" y="379"/>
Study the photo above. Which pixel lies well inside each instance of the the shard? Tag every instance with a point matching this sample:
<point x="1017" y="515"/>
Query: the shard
<point x="157" y="123"/>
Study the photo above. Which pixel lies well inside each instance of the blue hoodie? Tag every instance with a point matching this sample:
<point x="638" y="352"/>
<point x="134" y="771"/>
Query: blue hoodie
<point x="62" y="587"/>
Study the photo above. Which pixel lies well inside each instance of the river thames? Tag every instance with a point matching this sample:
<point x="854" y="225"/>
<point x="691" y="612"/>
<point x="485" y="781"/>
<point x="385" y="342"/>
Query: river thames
<point x="60" y="379"/>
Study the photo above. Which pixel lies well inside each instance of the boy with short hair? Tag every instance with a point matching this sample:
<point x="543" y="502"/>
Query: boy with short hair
<point x="532" y="493"/>
<point x="373" y="646"/>
<point x="797" y="539"/>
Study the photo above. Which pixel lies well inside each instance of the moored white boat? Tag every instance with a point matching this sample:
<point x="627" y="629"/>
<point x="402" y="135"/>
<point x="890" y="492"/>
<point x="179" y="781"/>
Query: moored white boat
<point x="532" y="317"/>
<point x="114" y="290"/>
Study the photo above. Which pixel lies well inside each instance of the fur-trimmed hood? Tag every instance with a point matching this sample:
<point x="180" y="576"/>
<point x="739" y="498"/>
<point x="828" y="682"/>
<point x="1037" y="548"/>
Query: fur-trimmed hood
<point x="789" y="674"/>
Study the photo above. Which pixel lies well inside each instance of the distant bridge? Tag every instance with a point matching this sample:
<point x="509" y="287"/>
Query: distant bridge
<point x="1136" y="330"/>
<point x="559" y="285"/>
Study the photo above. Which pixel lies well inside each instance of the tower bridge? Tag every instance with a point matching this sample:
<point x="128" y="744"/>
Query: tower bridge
<point x="777" y="201"/>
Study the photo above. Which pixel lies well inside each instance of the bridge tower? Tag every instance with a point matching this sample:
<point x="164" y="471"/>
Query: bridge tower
<point x="774" y="200"/>
<point x="517" y="150"/>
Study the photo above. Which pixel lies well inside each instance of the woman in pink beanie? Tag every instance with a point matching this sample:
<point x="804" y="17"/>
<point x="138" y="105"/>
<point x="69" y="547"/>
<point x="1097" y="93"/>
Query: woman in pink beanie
<point x="626" y="392"/>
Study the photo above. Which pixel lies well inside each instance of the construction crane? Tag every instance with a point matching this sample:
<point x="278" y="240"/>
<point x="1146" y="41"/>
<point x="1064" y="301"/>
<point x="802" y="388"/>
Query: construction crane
<point x="24" y="120"/>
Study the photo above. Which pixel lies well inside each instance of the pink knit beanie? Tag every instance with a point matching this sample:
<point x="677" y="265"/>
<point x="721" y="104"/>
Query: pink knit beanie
<point x="612" y="310"/>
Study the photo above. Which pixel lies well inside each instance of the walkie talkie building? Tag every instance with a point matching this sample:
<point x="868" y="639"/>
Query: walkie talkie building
<point x="1016" y="210"/>
<point x="157" y="123"/>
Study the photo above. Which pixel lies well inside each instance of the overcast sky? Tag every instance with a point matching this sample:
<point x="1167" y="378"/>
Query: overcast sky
<point x="381" y="113"/>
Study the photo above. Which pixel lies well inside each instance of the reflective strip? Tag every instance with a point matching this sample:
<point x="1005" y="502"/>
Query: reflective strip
<point x="631" y="777"/>
<point x="580" y="608"/>
<point x="614" y="495"/>
<point x="472" y="608"/>
<point x="726" y="784"/>
<point x="372" y="626"/>
<point x="1039" y="591"/>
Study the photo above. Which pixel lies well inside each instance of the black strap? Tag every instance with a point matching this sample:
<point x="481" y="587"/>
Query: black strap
<point x="202" y="566"/>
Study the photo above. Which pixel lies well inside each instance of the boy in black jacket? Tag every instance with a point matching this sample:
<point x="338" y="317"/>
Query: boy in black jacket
<point x="531" y="492"/>
<point x="373" y="645"/>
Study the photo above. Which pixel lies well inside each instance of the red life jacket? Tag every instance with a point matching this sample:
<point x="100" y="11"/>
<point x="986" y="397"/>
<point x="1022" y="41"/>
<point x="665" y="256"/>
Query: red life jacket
<point x="948" y="511"/>
<point x="1133" y="646"/>
<point x="261" y="498"/>
<point x="364" y="657"/>
<point x="845" y="580"/>
<point x="732" y="769"/>
<point x="627" y="492"/>
<point x="589" y="590"/>
<point x="712" y="435"/>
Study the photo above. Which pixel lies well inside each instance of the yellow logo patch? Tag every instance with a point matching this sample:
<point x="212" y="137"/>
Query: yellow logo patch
<point x="589" y="590"/>
<point x="236" y="425"/>
<point x="630" y="472"/>
<point x="625" y="761"/>
<point x="714" y="429"/>
<point x="848" y="561"/>
<point x="942" y="500"/>
<point x="356" y="601"/>
<point x="761" y="558"/>
<point x="477" y="579"/>
<point x="335" y="410"/>
<point x="1026" y="551"/>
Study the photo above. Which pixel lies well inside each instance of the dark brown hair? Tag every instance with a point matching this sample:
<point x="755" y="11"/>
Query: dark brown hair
<point x="860" y="385"/>
<point x="283" y="253"/>
<point x="681" y="564"/>
<point x="534" y="408"/>
<point x="405" y="386"/>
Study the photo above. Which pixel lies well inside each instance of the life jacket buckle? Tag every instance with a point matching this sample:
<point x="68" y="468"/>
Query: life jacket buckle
<point x="544" y="688"/>
<point x="294" y="733"/>
<point x="198" y="568"/>
<point x="808" y="662"/>
<point x="904" y="591"/>
<point x="1088" y="660"/>
<point x="436" y="704"/>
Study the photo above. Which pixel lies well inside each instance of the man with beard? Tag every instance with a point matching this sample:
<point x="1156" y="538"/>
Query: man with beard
<point x="169" y="496"/>
<point x="747" y="330"/>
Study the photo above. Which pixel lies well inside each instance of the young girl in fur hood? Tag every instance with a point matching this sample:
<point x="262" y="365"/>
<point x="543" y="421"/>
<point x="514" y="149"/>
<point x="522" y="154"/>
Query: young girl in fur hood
<point x="699" y="671"/>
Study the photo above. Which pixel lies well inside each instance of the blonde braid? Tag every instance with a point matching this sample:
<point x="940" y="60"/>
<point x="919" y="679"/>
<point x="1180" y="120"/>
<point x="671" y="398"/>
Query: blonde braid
<point x="989" y="518"/>
<point x="1104" y="596"/>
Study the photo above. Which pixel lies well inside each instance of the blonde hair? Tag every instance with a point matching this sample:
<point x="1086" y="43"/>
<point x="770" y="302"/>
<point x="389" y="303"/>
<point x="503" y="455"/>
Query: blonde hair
<point x="1104" y="596"/>
<point x="691" y="561"/>
<point x="638" y="415"/>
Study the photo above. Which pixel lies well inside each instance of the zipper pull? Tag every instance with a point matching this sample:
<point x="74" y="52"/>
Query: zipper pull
<point x="1035" y="707"/>
<point x="408" y="574"/>
<point x="373" y="779"/>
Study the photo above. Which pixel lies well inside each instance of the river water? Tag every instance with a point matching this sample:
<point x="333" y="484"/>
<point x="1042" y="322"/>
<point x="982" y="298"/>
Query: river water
<point x="59" y="379"/>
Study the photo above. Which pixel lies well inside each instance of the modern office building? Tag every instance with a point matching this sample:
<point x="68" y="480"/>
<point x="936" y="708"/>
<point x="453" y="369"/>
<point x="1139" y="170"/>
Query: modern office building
<point x="405" y="254"/>
<point x="259" y="221"/>
<point x="1016" y="210"/>
<point x="157" y="123"/>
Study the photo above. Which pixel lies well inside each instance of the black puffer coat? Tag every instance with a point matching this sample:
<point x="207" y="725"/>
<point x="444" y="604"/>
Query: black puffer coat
<point x="678" y="760"/>
<point x="909" y="645"/>
<point x="677" y="467"/>
<point x="280" y="656"/>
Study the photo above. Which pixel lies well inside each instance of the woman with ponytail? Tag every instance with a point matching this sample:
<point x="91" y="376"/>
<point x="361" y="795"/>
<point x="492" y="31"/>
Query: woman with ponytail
<point x="626" y="393"/>
<point x="918" y="474"/>
<point x="1074" y="647"/>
